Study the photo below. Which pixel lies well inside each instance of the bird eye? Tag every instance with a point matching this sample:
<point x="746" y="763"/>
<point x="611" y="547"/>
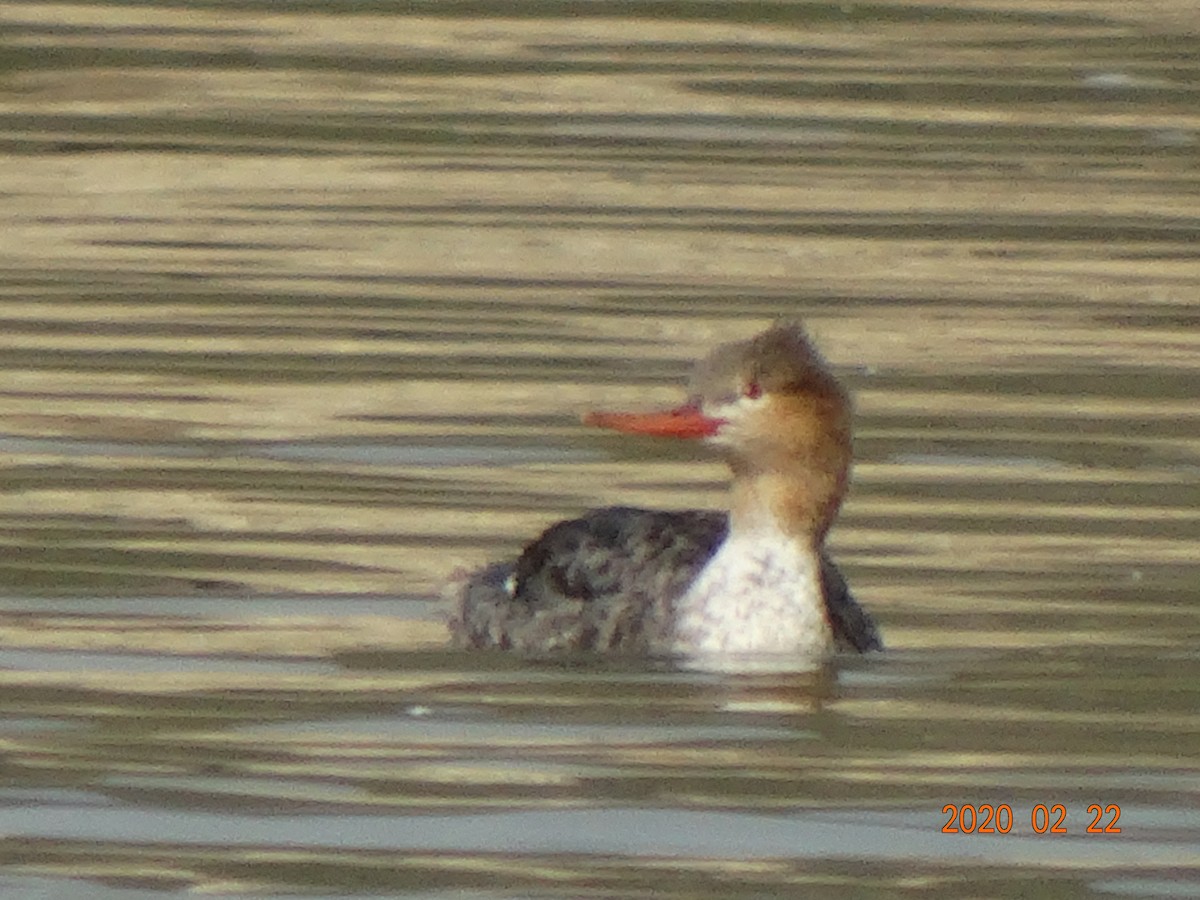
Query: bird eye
<point x="752" y="391"/>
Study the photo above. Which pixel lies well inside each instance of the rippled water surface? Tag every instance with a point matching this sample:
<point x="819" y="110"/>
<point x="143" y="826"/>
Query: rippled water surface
<point x="301" y="304"/>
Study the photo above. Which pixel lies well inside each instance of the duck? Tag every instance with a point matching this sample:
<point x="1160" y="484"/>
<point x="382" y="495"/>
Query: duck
<point x="748" y="588"/>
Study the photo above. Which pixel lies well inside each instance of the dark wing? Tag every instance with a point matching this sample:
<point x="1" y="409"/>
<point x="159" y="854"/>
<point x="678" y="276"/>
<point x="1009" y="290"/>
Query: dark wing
<point x="853" y="627"/>
<point x="602" y="582"/>
<point x="607" y="582"/>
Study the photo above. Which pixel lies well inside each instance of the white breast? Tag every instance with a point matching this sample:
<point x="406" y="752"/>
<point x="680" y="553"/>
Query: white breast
<point x="759" y="596"/>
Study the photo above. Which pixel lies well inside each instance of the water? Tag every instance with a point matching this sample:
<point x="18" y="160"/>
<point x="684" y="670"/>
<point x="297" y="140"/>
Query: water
<point x="300" y="310"/>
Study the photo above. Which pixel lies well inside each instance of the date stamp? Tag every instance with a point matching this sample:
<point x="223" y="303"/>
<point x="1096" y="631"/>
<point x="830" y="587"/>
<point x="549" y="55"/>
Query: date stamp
<point x="984" y="818"/>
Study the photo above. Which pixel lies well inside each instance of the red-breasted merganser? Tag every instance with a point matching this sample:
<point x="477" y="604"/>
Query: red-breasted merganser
<point x="749" y="590"/>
